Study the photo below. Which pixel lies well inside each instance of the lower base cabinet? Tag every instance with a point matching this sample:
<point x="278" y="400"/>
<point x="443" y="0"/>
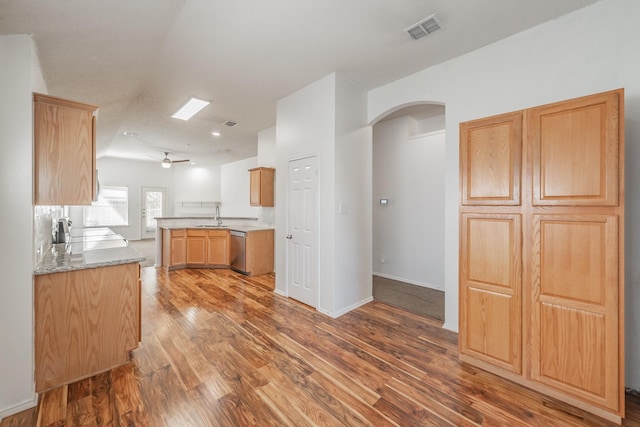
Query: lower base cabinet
<point x="259" y="252"/>
<point x="174" y="248"/>
<point x="196" y="247"/>
<point x="86" y="322"/>
<point x="218" y="247"/>
<point x="211" y="248"/>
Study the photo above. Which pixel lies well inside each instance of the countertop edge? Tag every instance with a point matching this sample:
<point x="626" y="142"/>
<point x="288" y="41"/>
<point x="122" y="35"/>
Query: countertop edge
<point x="228" y="218"/>
<point x="243" y="228"/>
<point x="97" y="258"/>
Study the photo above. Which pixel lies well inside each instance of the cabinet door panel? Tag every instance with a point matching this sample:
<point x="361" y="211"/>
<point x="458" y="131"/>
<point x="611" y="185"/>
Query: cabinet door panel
<point x="490" y="282"/>
<point x="218" y="247"/>
<point x="574" y="325"/>
<point x="178" y="251"/>
<point x="254" y="188"/>
<point x="196" y="250"/>
<point x="490" y="160"/>
<point x="86" y="321"/>
<point x="64" y="152"/>
<point x="575" y="151"/>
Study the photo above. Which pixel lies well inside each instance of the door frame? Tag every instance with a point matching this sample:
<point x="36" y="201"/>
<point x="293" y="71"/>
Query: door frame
<point x="316" y="226"/>
<point x="143" y="233"/>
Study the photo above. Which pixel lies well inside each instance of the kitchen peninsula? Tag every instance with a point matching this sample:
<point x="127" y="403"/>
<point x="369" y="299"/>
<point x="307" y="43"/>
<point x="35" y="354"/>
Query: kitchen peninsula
<point x="87" y="307"/>
<point x="241" y="244"/>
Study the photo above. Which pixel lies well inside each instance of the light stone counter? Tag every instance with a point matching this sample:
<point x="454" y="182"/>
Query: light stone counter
<point x="89" y="248"/>
<point x="245" y="228"/>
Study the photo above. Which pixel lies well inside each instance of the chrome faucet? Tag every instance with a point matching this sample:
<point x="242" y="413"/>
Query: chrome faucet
<point x="217" y="218"/>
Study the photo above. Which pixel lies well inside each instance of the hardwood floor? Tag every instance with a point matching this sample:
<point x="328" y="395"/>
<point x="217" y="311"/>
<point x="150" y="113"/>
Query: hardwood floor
<point x="221" y="349"/>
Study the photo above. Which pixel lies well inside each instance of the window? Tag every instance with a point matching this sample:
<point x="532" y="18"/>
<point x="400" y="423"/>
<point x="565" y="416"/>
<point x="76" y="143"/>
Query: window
<point x="111" y="208"/>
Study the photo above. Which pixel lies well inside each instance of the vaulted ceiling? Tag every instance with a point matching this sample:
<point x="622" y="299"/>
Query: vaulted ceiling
<point x="139" y="60"/>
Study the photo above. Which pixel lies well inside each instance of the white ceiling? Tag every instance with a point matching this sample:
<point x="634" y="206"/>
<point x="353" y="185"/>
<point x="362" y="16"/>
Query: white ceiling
<point x="139" y="60"/>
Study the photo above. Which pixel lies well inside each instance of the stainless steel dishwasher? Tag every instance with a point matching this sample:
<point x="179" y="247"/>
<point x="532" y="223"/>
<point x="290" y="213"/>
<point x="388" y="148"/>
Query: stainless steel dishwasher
<point x="238" y="251"/>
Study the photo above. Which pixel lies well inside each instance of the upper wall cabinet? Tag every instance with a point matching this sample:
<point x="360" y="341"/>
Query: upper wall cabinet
<point x="490" y="160"/>
<point x="261" y="187"/>
<point x="575" y="151"/>
<point x="64" y="151"/>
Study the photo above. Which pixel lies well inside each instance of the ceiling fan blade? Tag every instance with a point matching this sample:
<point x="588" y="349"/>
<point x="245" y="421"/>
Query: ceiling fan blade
<point x="180" y="161"/>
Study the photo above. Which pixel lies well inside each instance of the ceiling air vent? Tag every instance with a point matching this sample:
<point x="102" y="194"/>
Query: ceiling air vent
<point x="424" y="28"/>
<point x="230" y="123"/>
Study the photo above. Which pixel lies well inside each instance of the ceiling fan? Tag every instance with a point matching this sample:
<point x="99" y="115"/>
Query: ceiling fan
<point x="167" y="162"/>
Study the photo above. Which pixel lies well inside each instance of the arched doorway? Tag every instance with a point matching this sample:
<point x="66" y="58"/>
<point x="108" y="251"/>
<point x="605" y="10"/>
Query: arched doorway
<point x="408" y="208"/>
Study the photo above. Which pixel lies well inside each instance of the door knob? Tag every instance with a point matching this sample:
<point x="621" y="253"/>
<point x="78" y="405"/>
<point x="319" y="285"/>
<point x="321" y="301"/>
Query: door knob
<point x="289" y="236"/>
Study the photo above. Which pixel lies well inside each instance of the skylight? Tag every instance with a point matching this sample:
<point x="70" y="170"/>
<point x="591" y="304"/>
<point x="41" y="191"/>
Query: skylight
<point x="190" y="109"/>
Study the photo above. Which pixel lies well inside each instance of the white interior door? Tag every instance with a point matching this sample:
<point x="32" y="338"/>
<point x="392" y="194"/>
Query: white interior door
<point x="153" y="202"/>
<point x="302" y="234"/>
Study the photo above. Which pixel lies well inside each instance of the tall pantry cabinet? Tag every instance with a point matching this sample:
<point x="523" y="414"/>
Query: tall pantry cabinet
<point x="542" y="249"/>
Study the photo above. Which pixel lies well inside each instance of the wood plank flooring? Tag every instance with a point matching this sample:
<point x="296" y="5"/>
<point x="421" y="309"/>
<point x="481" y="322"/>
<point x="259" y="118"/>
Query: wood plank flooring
<point x="221" y="349"/>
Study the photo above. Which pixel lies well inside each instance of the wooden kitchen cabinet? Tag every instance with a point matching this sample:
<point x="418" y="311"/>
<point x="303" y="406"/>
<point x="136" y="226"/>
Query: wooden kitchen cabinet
<point x="218" y="248"/>
<point x="491" y="249"/>
<point x="261" y="186"/>
<point x="259" y="252"/>
<point x="86" y="322"/>
<point x="174" y="248"/>
<point x="542" y="249"/>
<point x="196" y="247"/>
<point x="64" y="151"/>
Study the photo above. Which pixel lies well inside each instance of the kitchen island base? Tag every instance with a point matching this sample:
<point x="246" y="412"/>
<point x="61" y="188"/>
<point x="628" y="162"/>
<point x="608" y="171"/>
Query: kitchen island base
<point x="213" y="247"/>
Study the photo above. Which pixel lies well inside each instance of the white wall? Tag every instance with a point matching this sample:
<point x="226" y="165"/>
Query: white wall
<point x="353" y="163"/>
<point x="305" y="126"/>
<point x="592" y="50"/>
<point x="235" y="189"/>
<point x="228" y="184"/>
<point x="19" y="75"/>
<point x="267" y="150"/>
<point x="327" y="119"/>
<point x="195" y="183"/>
<point x="431" y="124"/>
<point x="408" y="233"/>
<point x="134" y="175"/>
<point x="268" y="157"/>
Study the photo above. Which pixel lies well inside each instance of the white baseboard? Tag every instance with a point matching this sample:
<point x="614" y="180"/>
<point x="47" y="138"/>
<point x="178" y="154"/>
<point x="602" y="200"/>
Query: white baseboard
<point x="27" y="404"/>
<point x="279" y="292"/>
<point x="336" y="314"/>
<point x="409" y="281"/>
<point x="450" y="327"/>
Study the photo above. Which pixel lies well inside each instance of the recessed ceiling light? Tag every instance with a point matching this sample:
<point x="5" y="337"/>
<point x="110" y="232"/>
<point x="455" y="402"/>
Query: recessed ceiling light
<point x="215" y="133"/>
<point x="133" y="134"/>
<point x="189" y="109"/>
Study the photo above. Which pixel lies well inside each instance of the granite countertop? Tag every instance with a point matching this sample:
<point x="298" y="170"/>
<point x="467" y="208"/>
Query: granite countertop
<point x="241" y="218"/>
<point x="245" y="228"/>
<point x="88" y="248"/>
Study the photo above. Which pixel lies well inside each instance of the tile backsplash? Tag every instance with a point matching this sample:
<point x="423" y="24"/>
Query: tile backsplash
<point x="43" y="220"/>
